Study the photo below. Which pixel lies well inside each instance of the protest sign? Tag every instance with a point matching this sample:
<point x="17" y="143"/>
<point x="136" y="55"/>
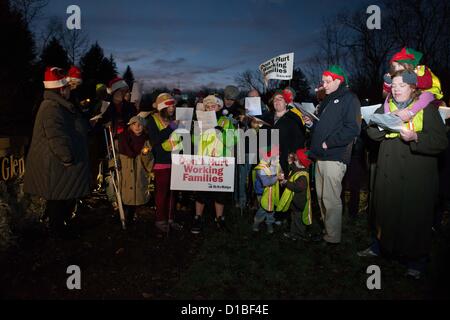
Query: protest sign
<point x="280" y="67"/>
<point x="201" y="173"/>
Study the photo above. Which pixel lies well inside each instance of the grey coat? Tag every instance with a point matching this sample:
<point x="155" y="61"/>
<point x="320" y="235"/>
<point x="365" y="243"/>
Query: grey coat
<point x="57" y="166"/>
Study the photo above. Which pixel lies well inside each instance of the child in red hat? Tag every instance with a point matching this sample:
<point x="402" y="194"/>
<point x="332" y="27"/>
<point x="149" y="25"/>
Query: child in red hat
<point x="297" y="197"/>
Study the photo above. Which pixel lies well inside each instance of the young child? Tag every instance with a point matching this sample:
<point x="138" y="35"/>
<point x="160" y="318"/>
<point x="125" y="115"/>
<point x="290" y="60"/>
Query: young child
<point x="297" y="197"/>
<point x="136" y="162"/>
<point x="266" y="176"/>
<point x="409" y="59"/>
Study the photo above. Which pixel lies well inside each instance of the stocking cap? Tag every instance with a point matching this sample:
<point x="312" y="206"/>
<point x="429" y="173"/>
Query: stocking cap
<point x="289" y="95"/>
<point x="212" y="99"/>
<point x="116" y="84"/>
<point x="269" y="151"/>
<point x="74" y="75"/>
<point x="231" y="93"/>
<point x="163" y="101"/>
<point x="54" y="78"/>
<point x="409" y="56"/>
<point x="336" y="72"/>
<point x="303" y="157"/>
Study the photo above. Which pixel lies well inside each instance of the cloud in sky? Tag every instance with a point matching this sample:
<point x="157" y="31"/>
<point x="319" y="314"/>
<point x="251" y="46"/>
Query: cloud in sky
<point x="198" y="42"/>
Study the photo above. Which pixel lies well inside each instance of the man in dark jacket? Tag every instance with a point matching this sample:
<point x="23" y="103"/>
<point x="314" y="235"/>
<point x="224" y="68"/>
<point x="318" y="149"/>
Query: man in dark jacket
<point x="57" y="166"/>
<point x="331" y="146"/>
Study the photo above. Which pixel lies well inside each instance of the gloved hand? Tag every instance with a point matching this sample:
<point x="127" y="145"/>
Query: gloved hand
<point x="174" y="124"/>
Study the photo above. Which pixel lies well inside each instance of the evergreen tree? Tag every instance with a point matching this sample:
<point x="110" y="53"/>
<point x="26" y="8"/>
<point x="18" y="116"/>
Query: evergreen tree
<point x="54" y="55"/>
<point x="128" y="76"/>
<point x="17" y="70"/>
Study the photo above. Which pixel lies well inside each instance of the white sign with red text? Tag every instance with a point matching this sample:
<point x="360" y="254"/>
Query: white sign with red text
<point x="201" y="173"/>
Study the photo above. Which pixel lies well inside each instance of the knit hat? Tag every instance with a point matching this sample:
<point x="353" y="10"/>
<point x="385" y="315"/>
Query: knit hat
<point x="289" y="95"/>
<point x="74" y="75"/>
<point x="211" y="100"/>
<point x="116" y="84"/>
<point x="163" y="101"/>
<point x="302" y="155"/>
<point x="136" y="119"/>
<point x="231" y="93"/>
<point x="278" y="93"/>
<point x="54" y="78"/>
<point x="409" y="56"/>
<point x="336" y="72"/>
<point x="409" y="77"/>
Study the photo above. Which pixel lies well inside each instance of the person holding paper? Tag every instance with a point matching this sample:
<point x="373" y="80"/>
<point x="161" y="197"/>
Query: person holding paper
<point x="291" y="133"/>
<point x="331" y="145"/>
<point x="213" y="143"/>
<point x="161" y="126"/>
<point x="406" y="184"/>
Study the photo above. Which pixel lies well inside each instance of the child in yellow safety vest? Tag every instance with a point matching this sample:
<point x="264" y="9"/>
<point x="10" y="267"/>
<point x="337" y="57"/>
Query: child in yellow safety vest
<point x="266" y="176"/>
<point x="297" y="197"/>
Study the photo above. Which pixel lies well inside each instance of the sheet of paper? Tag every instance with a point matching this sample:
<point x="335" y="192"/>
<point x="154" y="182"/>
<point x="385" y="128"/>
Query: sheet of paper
<point x="184" y="115"/>
<point x="388" y="121"/>
<point x="207" y="119"/>
<point x="136" y="93"/>
<point x="445" y="113"/>
<point x="253" y="106"/>
<point x="307" y="109"/>
<point x="103" y="108"/>
<point x="367" y="112"/>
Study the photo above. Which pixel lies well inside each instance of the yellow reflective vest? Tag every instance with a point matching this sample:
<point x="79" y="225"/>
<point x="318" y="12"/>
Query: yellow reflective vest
<point x="288" y="195"/>
<point x="416" y="124"/>
<point x="271" y="194"/>
<point x="174" y="141"/>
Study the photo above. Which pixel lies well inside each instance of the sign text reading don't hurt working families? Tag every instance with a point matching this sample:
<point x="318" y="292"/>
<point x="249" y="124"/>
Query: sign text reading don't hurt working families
<point x="201" y="173"/>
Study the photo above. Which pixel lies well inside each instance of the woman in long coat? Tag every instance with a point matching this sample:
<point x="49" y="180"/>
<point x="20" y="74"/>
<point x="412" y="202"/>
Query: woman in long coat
<point x="406" y="184"/>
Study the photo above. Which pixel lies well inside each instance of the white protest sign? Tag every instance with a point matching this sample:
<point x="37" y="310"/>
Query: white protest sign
<point x="200" y="173"/>
<point x="206" y="119"/>
<point x="280" y="67"/>
<point x="184" y="115"/>
<point x="253" y="106"/>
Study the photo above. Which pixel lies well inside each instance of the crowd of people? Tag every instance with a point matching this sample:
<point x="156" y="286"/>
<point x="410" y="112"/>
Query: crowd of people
<point x="311" y="158"/>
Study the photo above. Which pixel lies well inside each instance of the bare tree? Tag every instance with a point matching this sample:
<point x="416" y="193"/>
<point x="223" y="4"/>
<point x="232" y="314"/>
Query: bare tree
<point x="76" y="43"/>
<point x="30" y="9"/>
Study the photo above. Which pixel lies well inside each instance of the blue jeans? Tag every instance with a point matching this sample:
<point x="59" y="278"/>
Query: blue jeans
<point x="243" y="171"/>
<point x="262" y="215"/>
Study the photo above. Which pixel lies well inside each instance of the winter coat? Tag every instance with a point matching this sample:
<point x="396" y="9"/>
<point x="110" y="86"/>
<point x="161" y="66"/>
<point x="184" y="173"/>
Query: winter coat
<point x="134" y="174"/>
<point x="57" y="166"/>
<point x="406" y="187"/>
<point x="291" y="133"/>
<point x="339" y="125"/>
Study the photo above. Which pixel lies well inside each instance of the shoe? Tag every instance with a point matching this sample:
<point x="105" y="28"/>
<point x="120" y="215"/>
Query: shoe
<point x="175" y="226"/>
<point x="278" y="223"/>
<point x="162" y="226"/>
<point x="315" y="238"/>
<point x="415" y="274"/>
<point x="255" y="227"/>
<point x="269" y="228"/>
<point x="220" y="223"/>
<point x="367" y="253"/>
<point x="289" y="236"/>
<point x="197" y="225"/>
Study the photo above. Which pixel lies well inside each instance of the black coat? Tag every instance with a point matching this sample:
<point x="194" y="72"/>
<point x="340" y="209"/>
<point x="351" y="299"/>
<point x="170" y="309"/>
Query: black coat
<point x="339" y="125"/>
<point x="291" y="133"/>
<point x="59" y="137"/>
<point x="406" y="187"/>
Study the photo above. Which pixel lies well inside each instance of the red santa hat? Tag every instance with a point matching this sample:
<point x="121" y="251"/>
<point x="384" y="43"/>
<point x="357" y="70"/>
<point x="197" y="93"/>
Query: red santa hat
<point x="116" y="84"/>
<point x="74" y="75"/>
<point x="54" y="78"/>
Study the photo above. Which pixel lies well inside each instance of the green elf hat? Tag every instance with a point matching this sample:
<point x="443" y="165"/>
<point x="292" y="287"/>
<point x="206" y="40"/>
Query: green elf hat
<point x="409" y="56"/>
<point x="336" y="72"/>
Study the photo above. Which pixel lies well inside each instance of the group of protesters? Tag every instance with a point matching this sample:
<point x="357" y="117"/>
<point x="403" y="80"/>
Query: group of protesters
<point x="312" y="155"/>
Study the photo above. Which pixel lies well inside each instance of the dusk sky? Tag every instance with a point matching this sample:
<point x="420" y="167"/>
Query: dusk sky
<point x="195" y="43"/>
